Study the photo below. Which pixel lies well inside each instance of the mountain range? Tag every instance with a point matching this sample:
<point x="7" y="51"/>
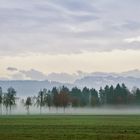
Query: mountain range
<point x="91" y="80"/>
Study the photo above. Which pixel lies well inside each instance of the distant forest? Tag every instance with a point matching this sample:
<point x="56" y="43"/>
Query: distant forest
<point x="64" y="97"/>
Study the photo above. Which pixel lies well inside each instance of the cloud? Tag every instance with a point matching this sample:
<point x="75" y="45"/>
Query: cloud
<point x="12" y="69"/>
<point x="132" y="40"/>
<point x="66" y="26"/>
<point x="18" y="76"/>
<point x="31" y="74"/>
<point x="37" y="75"/>
<point x="62" y="77"/>
<point x="34" y="74"/>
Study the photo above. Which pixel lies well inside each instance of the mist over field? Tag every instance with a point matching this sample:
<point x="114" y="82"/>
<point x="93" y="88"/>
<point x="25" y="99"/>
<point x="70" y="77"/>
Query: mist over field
<point x="108" y="100"/>
<point x="106" y="110"/>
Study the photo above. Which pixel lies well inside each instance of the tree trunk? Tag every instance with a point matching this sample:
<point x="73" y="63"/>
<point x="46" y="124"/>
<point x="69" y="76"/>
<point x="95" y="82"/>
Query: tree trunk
<point x="6" y="110"/>
<point x="10" y="111"/>
<point x="56" y="109"/>
<point x="40" y="110"/>
<point x="28" y="110"/>
<point x="0" y="109"/>
<point x="64" y="108"/>
<point x="49" y="108"/>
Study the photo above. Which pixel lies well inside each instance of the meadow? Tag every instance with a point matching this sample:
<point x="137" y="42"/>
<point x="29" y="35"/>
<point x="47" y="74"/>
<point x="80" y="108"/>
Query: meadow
<point x="70" y="127"/>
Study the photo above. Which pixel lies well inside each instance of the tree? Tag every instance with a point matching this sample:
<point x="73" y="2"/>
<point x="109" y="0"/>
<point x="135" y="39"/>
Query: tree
<point x="94" y="100"/>
<point x="121" y="94"/>
<point x="40" y="99"/>
<point x="107" y="94"/>
<point x="137" y="96"/>
<point x="125" y="94"/>
<point x="111" y="99"/>
<point x="6" y="102"/>
<point x="28" y="103"/>
<point x="12" y="97"/>
<point x="85" y="96"/>
<point x="64" y="97"/>
<point x="118" y="94"/>
<point x="9" y="99"/>
<point x="1" y="100"/>
<point x="48" y="100"/>
<point x="102" y="96"/>
<point x="76" y="95"/>
<point x="55" y="96"/>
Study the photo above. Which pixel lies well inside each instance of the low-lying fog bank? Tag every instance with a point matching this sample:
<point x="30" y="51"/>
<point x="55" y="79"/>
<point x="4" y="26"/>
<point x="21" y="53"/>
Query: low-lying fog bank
<point x="119" y="110"/>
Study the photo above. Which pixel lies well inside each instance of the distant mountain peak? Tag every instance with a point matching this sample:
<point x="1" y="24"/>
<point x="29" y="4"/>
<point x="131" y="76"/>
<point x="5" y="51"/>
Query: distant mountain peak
<point x="133" y="73"/>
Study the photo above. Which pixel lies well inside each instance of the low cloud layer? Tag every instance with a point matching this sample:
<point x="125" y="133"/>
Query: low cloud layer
<point x="33" y="74"/>
<point x="67" y="26"/>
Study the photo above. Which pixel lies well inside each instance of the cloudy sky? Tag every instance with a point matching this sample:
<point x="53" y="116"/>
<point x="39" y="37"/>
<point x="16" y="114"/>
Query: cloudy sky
<point x="66" y="36"/>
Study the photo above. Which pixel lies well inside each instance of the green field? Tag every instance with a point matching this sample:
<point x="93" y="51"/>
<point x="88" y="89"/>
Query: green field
<point x="63" y="127"/>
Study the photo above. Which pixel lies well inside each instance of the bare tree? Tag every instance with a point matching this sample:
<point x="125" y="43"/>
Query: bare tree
<point x="9" y="99"/>
<point x="1" y="100"/>
<point x="48" y="100"/>
<point x="28" y="103"/>
<point x="40" y="99"/>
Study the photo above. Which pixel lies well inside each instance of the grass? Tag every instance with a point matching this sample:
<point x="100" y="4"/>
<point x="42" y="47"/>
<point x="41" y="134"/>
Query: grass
<point x="64" y="127"/>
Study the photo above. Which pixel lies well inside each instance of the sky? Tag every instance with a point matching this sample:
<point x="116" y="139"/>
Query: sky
<point x="67" y="36"/>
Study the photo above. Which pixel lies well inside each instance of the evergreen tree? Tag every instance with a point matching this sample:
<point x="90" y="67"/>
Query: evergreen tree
<point x="111" y="98"/>
<point x="102" y="96"/>
<point x="137" y="96"/>
<point x="76" y="95"/>
<point x="94" y="100"/>
<point x="55" y="96"/>
<point x="85" y="96"/>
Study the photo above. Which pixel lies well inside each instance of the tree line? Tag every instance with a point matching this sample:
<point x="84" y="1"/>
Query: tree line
<point x="75" y="97"/>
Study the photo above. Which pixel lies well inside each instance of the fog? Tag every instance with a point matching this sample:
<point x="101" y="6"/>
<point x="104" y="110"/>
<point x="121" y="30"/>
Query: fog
<point x="106" y="110"/>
